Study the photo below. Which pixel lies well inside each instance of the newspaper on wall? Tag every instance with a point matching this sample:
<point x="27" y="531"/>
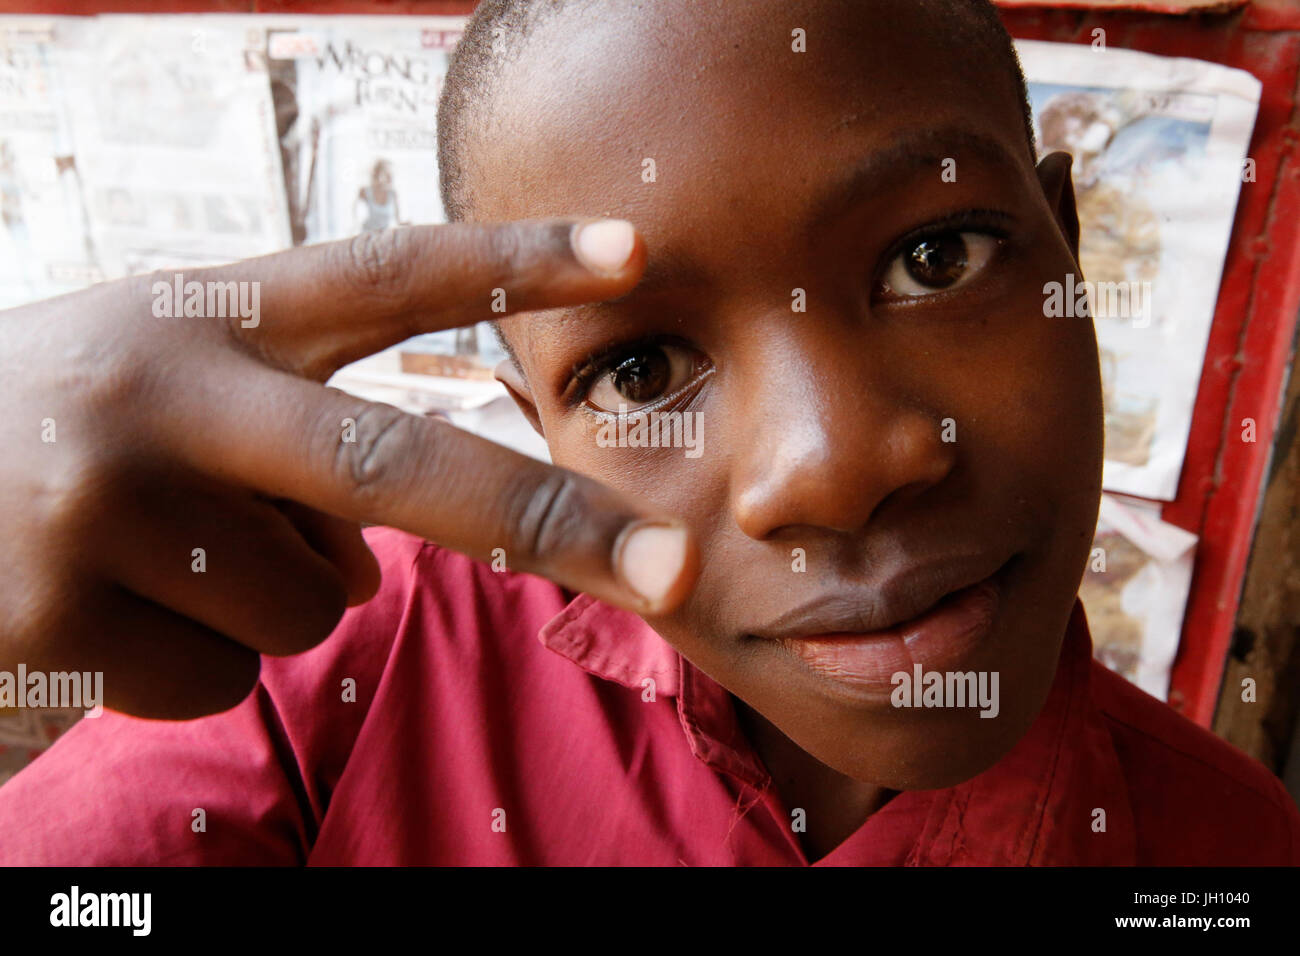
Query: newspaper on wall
<point x="45" y="243"/>
<point x="1135" y="591"/>
<point x="1159" y="148"/>
<point x="132" y="143"/>
<point x="175" y="136"/>
<point x="356" y="102"/>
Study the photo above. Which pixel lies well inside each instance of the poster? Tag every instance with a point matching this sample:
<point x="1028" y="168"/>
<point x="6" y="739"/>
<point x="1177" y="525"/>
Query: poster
<point x="46" y="247"/>
<point x="175" y="137"/>
<point x="1135" y="591"/>
<point x="1159" y="148"/>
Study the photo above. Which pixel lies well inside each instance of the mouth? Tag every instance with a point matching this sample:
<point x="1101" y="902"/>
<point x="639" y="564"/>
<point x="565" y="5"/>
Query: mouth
<point x="942" y="637"/>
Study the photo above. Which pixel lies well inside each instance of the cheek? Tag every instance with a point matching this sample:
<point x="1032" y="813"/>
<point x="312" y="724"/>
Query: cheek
<point x="688" y="483"/>
<point x="660" y="476"/>
<point x="690" y="488"/>
<point x="1037" y="435"/>
<point x="1024" y="391"/>
<point x="1051" y="429"/>
<point x="1037" y="407"/>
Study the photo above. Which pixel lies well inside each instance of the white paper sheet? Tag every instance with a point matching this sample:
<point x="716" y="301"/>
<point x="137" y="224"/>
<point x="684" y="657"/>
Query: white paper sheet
<point x="45" y="242"/>
<point x="1135" y="591"/>
<point x="175" y="135"/>
<point x="1159" y="146"/>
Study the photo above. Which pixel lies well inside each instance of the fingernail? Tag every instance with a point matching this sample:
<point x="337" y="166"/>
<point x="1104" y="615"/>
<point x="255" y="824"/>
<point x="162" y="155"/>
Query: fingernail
<point x="651" y="559"/>
<point x="605" y="245"/>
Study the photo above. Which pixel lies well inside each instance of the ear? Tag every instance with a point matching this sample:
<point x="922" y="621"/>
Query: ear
<point x="1058" y="187"/>
<point x="509" y="376"/>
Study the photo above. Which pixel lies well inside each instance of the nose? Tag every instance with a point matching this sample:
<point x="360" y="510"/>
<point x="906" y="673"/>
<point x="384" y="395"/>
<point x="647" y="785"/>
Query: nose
<point x="832" y="436"/>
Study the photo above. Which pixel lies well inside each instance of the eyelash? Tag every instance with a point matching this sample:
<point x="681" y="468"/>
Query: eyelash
<point x="586" y="373"/>
<point x="602" y="361"/>
<point x="991" y="222"/>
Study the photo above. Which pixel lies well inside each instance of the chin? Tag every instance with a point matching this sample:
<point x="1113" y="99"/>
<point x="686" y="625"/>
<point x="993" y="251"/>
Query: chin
<point x="938" y="751"/>
<point x="933" y="749"/>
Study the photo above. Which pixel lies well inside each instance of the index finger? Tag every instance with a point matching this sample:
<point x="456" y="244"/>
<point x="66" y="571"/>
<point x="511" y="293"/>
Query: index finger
<point x="290" y="439"/>
<point x="321" y="307"/>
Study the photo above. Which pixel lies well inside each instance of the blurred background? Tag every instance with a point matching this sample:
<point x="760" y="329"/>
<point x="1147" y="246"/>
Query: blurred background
<point x="169" y="135"/>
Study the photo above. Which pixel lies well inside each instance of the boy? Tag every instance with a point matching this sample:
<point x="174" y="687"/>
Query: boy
<point x="898" y="477"/>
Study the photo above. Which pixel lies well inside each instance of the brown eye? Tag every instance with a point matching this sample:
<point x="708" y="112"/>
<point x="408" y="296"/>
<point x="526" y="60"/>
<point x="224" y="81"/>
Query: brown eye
<point x="939" y="262"/>
<point x="643" y="376"/>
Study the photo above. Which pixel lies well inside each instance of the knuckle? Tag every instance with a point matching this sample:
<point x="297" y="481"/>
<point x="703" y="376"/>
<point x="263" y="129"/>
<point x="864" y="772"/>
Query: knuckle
<point x="520" y="254"/>
<point x="550" y="516"/>
<point x="370" y="465"/>
<point x="109" y="384"/>
<point x="374" y="263"/>
<point x="109" y="366"/>
<point x="102" y="382"/>
<point x="527" y="255"/>
<point x="82" y="492"/>
<point x="507" y="247"/>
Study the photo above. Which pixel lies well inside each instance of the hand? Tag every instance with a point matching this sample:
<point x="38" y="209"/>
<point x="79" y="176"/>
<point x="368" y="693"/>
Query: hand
<point x="133" y="439"/>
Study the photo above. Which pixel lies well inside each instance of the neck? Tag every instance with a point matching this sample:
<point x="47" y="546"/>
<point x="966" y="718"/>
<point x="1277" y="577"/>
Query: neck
<point x="835" y="805"/>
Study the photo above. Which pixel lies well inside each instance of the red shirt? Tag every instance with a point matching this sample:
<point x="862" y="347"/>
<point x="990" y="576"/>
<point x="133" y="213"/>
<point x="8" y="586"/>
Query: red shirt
<point x="498" y="720"/>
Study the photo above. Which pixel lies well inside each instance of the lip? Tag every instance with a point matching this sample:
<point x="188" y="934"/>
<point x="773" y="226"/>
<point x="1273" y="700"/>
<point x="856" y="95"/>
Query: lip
<point x="946" y="632"/>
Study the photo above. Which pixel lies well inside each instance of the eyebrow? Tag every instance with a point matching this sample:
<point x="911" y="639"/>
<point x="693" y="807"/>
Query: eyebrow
<point x="668" y="269"/>
<point x="913" y="150"/>
<point x="909" y="152"/>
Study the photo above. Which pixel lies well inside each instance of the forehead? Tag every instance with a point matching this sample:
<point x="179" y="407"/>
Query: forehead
<point x="717" y="98"/>
<point x="754" y="147"/>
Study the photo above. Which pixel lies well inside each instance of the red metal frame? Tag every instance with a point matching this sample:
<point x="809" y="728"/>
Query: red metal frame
<point x="1254" y="328"/>
<point x="1250" y="345"/>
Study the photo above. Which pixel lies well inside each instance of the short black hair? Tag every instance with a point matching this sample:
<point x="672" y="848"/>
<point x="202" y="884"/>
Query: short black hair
<point x="497" y="34"/>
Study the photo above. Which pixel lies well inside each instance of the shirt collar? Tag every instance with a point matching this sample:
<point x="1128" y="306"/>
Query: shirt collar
<point x="613" y="644"/>
<point x="1058" y="798"/>
<point x="619" y="646"/>
<point x="1037" y="806"/>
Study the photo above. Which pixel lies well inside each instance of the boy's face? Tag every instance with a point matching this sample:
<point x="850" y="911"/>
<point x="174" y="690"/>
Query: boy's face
<point x="919" y="428"/>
